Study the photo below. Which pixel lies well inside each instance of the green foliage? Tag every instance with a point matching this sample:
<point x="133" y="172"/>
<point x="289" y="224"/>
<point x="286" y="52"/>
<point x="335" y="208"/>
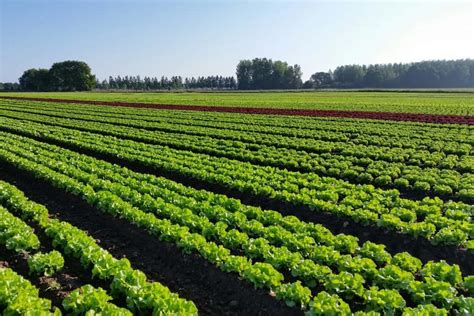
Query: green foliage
<point x="385" y="301"/>
<point x="88" y="300"/>
<point x="35" y="80"/>
<point x="141" y="295"/>
<point x="328" y="304"/>
<point x="19" y="297"/>
<point x="432" y="291"/>
<point x="263" y="73"/>
<point x="422" y="186"/>
<point x="425" y="310"/>
<point x="345" y="284"/>
<point x="63" y="76"/>
<point x="15" y="234"/>
<point x="71" y="76"/>
<point x="419" y="219"/>
<point x="442" y="189"/>
<point x="375" y="252"/>
<point x="464" y="305"/>
<point x="213" y="226"/>
<point x="402" y="183"/>
<point x="468" y="284"/>
<point x="46" y="264"/>
<point x="392" y="277"/>
<point x="263" y="274"/>
<point x="293" y="294"/>
<point x="407" y="262"/>
<point x="449" y="236"/>
<point x="442" y="271"/>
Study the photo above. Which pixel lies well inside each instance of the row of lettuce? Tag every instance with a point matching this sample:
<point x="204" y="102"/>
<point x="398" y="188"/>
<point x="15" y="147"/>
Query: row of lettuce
<point x="376" y="132"/>
<point x="263" y="247"/>
<point x="18" y="296"/>
<point x="442" y="182"/>
<point x="321" y="140"/>
<point x="419" y="171"/>
<point x="446" y="223"/>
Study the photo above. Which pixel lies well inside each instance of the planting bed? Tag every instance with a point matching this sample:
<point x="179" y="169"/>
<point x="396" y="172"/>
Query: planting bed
<point x="217" y="212"/>
<point x="415" y="117"/>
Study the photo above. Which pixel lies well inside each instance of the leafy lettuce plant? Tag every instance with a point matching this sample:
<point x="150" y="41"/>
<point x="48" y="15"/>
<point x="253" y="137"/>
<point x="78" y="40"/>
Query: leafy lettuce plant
<point x="392" y="277"/>
<point x="432" y="291"/>
<point x="263" y="275"/>
<point x="388" y="302"/>
<point x="345" y="284"/>
<point x="407" y="262"/>
<point x="328" y="304"/>
<point x="46" y="264"/>
<point x="450" y="236"/>
<point x="463" y="306"/>
<point x="375" y="252"/>
<point x="442" y="271"/>
<point x="92" y="301"/>
<point x="15" y="234"/>
<point x="19" y="297"/>
<point x="424" y="310"/>
<point x="293" y="294"/>
<point x="468" y="284"/>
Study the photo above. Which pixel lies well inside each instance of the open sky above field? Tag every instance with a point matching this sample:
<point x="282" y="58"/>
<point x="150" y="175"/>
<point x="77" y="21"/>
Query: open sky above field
<point x="191" y="38"/>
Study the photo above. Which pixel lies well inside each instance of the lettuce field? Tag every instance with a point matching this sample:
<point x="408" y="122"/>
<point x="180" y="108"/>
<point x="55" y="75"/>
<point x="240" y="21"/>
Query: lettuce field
<point x="309" y="203"/>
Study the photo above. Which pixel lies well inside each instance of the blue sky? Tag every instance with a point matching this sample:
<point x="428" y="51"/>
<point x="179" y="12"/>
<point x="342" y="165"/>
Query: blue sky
<point x="192" y="38"/>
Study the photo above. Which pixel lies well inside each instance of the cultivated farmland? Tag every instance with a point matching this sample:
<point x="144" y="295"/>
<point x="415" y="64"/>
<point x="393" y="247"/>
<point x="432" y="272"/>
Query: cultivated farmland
<point x="313" y="206"/>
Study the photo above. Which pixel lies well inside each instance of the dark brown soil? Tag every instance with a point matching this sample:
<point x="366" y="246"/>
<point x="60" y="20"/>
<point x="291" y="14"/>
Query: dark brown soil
<point x="405" y="193"/>
<point x="429" y="118"/>
<point x="214" y="292"/>
<point x="54" y="288"/>
<point x="395" y="242"/>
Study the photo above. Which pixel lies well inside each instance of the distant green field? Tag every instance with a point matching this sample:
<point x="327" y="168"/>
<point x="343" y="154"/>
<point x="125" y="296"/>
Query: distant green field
<point x="409" y="102"/>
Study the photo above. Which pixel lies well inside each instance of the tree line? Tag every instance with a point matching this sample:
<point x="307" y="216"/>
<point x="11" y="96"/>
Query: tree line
<point x="263" y="73"/>
<point x="425" y="74"/>
<point x="258" y="74"/>
<point x="175" y="82"/>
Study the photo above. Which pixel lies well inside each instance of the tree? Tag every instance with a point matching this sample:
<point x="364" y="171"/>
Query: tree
<point x="320" y="79"/>
<point x="350" y="74"/>
<point x="9" y="86"/>
<point x="263" y="73"/>
<point x="35" y="80"/>
<point x="72" y="75"/>
<point x="244" y="74"/>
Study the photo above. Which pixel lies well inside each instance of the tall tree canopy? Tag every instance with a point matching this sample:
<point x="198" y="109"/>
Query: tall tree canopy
<point x="263" y="73"/>
<point x="259" y="73"/>
<point x="71" y="75"/>
<point x="175" y="82"/>
<point x="425" y="74"/>
<point x="63" y="76"/>
<point x="35" y="80"/>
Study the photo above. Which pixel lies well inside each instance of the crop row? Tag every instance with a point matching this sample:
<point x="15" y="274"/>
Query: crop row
<point x="443" y="223"/>
<point x="142" y="296"/>
<point x="440" y="182"/>
<point x="303" y="152"/>
<point x="369" y="127"/>
<point x="19" y="297"/>
<point x="347" y="284"/>
<point x="439" y="103"/>
<point x="453" y="140"/>
<point x="262" y="275"/>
